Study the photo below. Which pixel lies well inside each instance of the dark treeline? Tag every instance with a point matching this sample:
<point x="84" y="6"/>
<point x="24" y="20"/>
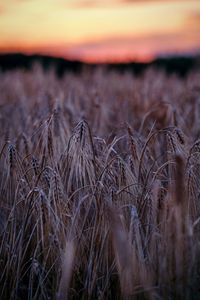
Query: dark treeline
<point x="180" y="65"/>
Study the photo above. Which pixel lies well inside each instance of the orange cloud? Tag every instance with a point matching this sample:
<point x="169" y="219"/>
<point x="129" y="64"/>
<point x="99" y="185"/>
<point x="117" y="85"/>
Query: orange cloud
<point x="92" y="3"/>
<point x="134" y="48"/>
<point x="2" y="9"/>
<point x="193" y="20"/>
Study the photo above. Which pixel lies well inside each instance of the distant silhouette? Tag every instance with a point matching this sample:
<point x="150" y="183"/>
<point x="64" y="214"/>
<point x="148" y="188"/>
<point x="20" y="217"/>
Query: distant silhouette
<point x="180" y="65"/>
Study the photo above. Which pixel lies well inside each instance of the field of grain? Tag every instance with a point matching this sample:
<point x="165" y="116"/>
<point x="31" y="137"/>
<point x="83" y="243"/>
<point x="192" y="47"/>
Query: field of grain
<point x="99" y="185"/>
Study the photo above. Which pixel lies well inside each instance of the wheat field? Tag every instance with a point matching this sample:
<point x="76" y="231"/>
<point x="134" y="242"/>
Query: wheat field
<point x="99" y="185"/>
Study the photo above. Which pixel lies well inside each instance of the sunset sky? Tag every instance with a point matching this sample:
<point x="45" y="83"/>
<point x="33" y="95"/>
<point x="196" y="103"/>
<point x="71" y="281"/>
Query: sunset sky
<point x="100" y="30"/>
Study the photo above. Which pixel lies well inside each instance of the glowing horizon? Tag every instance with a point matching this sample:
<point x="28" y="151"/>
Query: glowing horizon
<point x="95" y="31"/>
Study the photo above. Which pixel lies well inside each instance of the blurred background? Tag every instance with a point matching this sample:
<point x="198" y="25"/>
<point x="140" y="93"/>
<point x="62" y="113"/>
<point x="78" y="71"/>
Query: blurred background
<point x="100" y="30"/>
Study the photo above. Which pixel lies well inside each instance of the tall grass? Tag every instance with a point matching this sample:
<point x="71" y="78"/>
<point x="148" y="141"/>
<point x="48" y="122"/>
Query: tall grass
<point x="99" y="185"/>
